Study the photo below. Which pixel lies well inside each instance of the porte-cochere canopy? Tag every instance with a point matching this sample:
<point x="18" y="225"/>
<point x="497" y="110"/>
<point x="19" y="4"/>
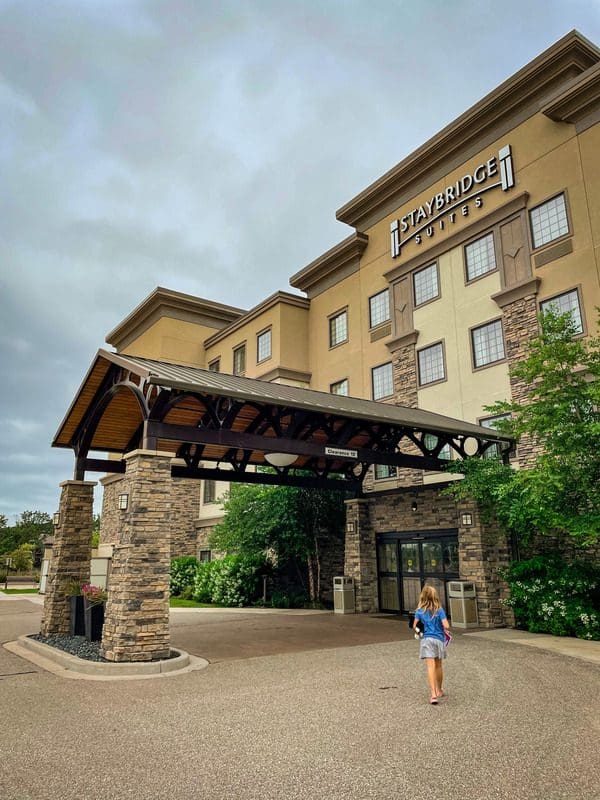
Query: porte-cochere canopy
<point x="127" y="403"/>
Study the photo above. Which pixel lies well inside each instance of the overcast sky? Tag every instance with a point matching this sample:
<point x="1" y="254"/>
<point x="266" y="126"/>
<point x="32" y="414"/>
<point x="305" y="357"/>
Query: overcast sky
<point x="204" y="147"/>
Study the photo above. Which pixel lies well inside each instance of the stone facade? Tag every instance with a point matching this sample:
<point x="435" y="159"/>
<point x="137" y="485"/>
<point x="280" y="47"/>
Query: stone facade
<point x="70" y="553"/>
<point x="136" y="624"/>
<point x="185" y="502"/>
<point x="520" y="324"/>
<point x="482" y="549"/>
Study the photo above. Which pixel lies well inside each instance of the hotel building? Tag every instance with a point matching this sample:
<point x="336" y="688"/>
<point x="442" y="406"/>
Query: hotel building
<point x="427" y="303"/>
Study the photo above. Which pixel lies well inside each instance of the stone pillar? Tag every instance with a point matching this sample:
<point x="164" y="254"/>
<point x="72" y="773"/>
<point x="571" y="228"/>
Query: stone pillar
<point x="110" y="519"/>
<point x="404" y="366"/>
<point x="136" y="622"/>
<point x="520" y="323"/>
<point x="70" y="554"/>
<point x="185" y="508"/>
<point x="482" y="550"/>
<point x="360" y="560"/>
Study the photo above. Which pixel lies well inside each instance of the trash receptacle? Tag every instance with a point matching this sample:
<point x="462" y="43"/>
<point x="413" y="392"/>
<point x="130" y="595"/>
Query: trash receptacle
<point x="343" y="595"/>
<point x="463" y="604"/>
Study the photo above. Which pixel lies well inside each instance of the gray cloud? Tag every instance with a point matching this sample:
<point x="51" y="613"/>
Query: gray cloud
<point x="205" y="147"/>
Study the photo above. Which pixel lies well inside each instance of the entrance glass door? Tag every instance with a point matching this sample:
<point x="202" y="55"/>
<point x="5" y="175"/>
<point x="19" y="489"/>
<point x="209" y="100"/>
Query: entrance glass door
<point x="406" y="561"/>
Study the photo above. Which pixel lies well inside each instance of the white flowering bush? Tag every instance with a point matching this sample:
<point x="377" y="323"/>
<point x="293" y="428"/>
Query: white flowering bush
<point x="549" y="595"/>
<point x="183" y="573"/>
<point x="230" y="581"/>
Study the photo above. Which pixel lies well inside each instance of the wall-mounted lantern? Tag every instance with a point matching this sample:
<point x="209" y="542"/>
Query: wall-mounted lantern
<point x="466" y="519"/>
<point x="56" y="519"/>
<point x="350" y="527"/>
<point x="123" y="502"/>
<point x="413" y="506"/>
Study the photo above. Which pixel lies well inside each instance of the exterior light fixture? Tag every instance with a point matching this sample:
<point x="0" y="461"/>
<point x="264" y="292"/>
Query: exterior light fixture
<point x="413" y="506"/>
<point x="280" y="459"/>
<point x="350" y="527"/>
<point x="56" y="519"/>
<point x="123" y="502"/>
<point x="466" y="518"/>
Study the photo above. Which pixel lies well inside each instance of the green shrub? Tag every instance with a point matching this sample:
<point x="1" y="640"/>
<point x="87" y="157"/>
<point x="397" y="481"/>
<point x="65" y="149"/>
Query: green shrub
<point x="187" y="593"/>
<point x="2" y="577"/>
<point x="230" y="581"/>
<point x="203" y="581"/>
<point x="183" y="573"/>
<point x="281" y="599"/>
<point x="549" y="595"/>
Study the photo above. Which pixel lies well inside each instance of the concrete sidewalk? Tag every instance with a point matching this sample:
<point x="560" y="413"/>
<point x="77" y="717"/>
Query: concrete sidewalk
<point x="563" y="645"/>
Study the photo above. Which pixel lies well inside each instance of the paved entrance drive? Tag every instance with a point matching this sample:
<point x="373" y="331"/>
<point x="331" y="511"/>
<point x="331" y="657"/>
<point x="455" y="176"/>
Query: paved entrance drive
<point x="341" y="723"/>
<point x="225" y="634"/>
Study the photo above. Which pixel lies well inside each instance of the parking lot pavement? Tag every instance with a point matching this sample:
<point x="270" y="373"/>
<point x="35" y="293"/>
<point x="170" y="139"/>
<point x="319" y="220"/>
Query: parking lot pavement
<point x="225" y="634"/>
<point x="346" y="722"/>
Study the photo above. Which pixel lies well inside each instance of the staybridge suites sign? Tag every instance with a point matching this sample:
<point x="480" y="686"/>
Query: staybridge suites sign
<point x="455" y="202"/>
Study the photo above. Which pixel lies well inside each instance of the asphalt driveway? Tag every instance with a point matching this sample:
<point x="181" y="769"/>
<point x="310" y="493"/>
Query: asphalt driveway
<point x="348" y="721"/>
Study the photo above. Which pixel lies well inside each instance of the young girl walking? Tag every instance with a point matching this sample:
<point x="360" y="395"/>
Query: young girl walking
<point x="434" y="623"/>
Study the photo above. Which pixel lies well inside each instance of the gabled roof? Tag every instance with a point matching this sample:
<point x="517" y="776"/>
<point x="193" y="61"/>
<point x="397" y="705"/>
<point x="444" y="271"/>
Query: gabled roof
<point x="191" y="379"/>
<point x="167" y="302"/>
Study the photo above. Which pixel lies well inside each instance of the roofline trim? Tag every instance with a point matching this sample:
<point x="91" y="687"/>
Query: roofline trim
<point x="575" y="49"/>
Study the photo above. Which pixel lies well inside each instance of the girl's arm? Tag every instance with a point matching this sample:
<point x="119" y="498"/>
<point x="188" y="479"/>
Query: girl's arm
<point x="446" y="624"/>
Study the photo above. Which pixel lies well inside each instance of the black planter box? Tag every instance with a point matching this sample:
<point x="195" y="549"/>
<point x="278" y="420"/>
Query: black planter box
<point x="94" y="620"/>
<point x="77" y="616"/>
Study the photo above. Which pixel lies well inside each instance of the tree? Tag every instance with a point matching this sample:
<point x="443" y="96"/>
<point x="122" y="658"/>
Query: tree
<point x="560" y="493"/>
<point x="284" y="519"/>
<point x="30" y="528"/>
<point x="22" y="558"/>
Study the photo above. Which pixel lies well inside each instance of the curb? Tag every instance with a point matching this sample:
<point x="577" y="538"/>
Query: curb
<point x="66" y="665"/>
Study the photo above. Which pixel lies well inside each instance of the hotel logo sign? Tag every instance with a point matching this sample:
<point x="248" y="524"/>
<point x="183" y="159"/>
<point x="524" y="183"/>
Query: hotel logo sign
<point x="454" y="202"/>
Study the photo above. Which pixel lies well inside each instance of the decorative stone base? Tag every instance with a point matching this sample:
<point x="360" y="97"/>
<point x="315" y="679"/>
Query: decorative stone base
<point x="136" y="624"/>
<point x="70" y="554"/>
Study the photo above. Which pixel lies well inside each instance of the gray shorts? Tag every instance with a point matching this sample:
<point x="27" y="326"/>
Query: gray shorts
<point x="432" y="648"/>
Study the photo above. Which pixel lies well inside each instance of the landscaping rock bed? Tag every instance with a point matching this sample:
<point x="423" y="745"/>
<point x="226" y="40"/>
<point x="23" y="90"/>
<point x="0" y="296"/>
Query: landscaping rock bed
<point x="75" y="645"/>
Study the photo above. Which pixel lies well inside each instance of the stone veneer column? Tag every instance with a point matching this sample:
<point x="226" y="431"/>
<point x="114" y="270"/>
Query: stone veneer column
<point x="136" y="622"/>
<point x="110" y="519"/>
<point x="185" y="507"/>
<point x="519" y="320"/>
<point x="482" y="550"/>
<point x="360" y="561"/>
<point x="70" y="553"/>
<point x="404" y="368"/>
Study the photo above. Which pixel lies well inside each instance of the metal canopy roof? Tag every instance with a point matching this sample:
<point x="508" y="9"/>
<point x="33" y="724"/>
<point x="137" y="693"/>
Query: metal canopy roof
<point x="127" y="402"/>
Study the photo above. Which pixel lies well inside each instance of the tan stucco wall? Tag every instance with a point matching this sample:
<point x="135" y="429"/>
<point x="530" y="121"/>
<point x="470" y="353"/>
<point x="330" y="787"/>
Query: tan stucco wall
<point x="289" y="347"/>
<point x="172" y="340"/>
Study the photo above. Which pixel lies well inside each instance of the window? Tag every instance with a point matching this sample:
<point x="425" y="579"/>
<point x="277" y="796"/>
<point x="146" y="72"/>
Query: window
<point x="425" y="284"/>
<point x="338" y="329"/>
<point x="379" y="308"/>
<point x="480" y="257"/>
<point x="204" y="555"/>
<point x="492" y="422"/>
<point x="431" y="364"/>
<point x="431" y="441"/>
<point x="382" y="381"/>
<point x="239" y="360"/>
<point x="210" y="490"/>
<point x="488" y="344"/>
<point x="549" y="221"/>
<point x="263" y="346"/>
<point x="215" y="366"/>
<point x="383" y="471"/>
<point x="341" y="387"/>
<point x="564" y="303"/>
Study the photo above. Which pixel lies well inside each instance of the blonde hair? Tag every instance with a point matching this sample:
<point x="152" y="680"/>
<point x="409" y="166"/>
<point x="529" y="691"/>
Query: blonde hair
<point x="429" y="600"/>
